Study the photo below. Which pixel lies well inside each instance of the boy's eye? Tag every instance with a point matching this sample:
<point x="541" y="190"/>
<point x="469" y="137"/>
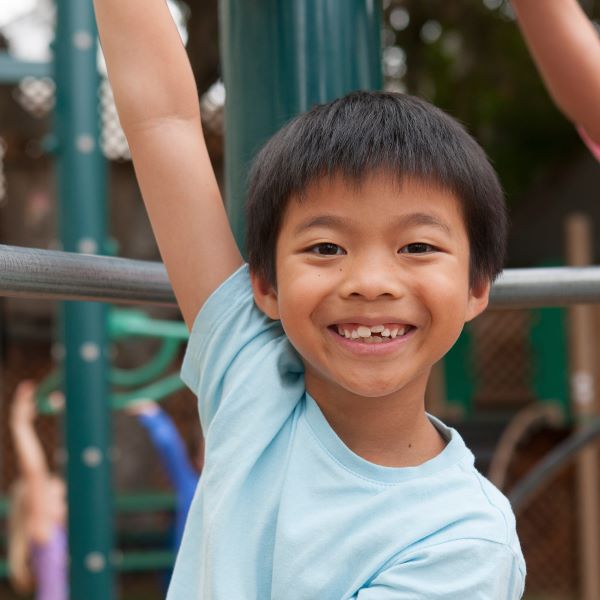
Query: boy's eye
<point x="327" y="249"/>
<point x="417" y="248"/>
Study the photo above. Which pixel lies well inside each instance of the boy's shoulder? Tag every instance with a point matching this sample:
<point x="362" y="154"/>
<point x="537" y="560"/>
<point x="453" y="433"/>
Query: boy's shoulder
<point x="464" y="515"/>
<point x="472" y="505"/>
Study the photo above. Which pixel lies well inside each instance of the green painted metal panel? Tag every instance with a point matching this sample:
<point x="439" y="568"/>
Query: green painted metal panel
<point x="458" y="366"/>
<point x="280" y="57"/>
<point x="81" y="182"/>
<point x="550" y="356"/>
<point x="146" y="560"/>
<point x="141" y="501"/>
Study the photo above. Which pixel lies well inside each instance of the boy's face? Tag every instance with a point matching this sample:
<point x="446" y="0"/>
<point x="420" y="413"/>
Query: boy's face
<point x="351" y="259"/>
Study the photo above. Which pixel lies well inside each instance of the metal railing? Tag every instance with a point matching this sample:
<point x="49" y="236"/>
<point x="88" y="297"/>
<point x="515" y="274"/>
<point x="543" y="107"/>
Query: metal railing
<point x="54" y="275"/>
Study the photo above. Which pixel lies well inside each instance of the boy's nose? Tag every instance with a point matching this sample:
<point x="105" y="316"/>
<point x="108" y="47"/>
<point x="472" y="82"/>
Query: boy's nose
<point x="372" y="278"/>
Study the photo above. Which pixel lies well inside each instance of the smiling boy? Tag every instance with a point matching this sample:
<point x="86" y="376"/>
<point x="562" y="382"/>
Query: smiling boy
<point x="376" y="226"/>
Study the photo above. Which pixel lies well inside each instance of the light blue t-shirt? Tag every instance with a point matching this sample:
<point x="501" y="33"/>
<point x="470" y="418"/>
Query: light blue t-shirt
<point x="286" y="511"/>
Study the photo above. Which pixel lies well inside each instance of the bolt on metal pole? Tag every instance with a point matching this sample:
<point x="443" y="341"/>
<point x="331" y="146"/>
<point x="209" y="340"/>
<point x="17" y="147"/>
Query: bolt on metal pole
<point x="81" y="185"/>
<point x="281" y="57"/>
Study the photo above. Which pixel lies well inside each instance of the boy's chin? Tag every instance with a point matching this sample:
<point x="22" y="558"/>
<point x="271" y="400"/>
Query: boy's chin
<point x="368" y="388"/>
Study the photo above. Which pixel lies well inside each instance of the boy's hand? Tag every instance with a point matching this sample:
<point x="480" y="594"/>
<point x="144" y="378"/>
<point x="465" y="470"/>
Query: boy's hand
<point x="157" y="101"/>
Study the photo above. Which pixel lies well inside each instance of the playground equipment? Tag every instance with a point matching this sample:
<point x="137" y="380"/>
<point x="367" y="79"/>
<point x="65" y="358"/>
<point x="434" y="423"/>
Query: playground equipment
<point x="147" y="381"/>
<point x="56" y="275"/>
<point x="288" y="40"/>
<point x="35" y="273"/>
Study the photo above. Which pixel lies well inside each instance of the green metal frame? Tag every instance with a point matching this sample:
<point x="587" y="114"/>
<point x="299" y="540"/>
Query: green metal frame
<point x="13" y="70"/>
<point x="124" y="324"/>
<point x="152" y="369"/>
<point x="279" y="58"/>
<point x="82" y="195"/>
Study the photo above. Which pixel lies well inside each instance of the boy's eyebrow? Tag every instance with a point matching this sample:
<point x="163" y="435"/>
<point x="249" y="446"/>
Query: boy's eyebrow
<point x="321" y="221"/>
<point x="409" y="220"/>
<point x="414" y="219"/>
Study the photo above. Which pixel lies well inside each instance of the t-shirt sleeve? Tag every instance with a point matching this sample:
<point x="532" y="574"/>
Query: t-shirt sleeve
<point x="467" y="568"/>
<point x="237" y="355"/>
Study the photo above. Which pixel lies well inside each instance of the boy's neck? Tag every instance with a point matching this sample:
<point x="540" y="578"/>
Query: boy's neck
<point x="390" y="431"/>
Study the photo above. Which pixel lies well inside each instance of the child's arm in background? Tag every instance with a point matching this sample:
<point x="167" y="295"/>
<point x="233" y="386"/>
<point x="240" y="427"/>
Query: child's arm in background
<point x="166" y="440"/>
<point x="31" y="460"/>
<point x="158" y="106"/>
<point x="566" y="49"/>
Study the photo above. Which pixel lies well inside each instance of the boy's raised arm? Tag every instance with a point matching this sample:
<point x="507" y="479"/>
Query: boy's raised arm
<point x="566" y="49"/>
<point x="158" y="106"/>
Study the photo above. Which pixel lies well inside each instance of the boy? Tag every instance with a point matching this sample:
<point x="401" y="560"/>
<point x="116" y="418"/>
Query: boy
<point x="375" y="227"/>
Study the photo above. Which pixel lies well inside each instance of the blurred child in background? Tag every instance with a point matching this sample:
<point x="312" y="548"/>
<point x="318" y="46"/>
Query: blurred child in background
<point x="37" y="537"/>
<point x="37" y="516"/>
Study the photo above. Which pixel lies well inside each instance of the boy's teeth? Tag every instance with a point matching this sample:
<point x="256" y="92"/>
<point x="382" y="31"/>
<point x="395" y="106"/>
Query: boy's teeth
<point x="365" y="333"/>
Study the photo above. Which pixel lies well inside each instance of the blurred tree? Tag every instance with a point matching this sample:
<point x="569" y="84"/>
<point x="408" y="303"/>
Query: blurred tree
<point x="468" y="57"/>
<point x="203" y="43"/>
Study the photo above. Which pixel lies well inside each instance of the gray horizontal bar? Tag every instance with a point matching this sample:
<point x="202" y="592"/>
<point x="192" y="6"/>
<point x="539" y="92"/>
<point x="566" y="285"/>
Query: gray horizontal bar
<point x="30" y="273"/>
<point x="13" y="70"/>
<point x="548" y="286"/>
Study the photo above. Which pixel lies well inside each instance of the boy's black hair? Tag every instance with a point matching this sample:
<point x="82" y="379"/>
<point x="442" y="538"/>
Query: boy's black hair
<point x="365" y="132"/>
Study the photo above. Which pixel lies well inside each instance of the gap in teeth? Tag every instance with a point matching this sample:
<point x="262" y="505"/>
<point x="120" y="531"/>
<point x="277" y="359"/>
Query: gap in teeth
<point x="366" y="333"/>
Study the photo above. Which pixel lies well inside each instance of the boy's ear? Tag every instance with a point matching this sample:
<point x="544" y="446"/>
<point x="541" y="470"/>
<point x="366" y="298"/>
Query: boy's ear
<point x="479" y="297"/>
<point x="265" y="296"/>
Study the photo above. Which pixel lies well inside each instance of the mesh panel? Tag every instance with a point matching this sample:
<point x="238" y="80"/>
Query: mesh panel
<point x="502" y="359"/>
<point x="547" y="526"/>
<point x="112" y="139"/>
<point x="36" y="95"/>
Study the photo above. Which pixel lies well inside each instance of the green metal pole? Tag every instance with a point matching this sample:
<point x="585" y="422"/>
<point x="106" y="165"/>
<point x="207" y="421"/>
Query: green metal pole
<point x="81" y="183"/>
<point x="280" y="57"/>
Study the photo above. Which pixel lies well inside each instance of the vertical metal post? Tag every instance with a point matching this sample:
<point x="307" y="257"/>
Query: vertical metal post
<point x="81" y="183"/>
<point x="585" y="407"/>
<point x="280" y="57"/>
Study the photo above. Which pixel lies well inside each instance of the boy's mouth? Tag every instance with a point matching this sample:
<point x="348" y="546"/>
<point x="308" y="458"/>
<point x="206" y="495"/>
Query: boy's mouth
<point x="374" y="334"/>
